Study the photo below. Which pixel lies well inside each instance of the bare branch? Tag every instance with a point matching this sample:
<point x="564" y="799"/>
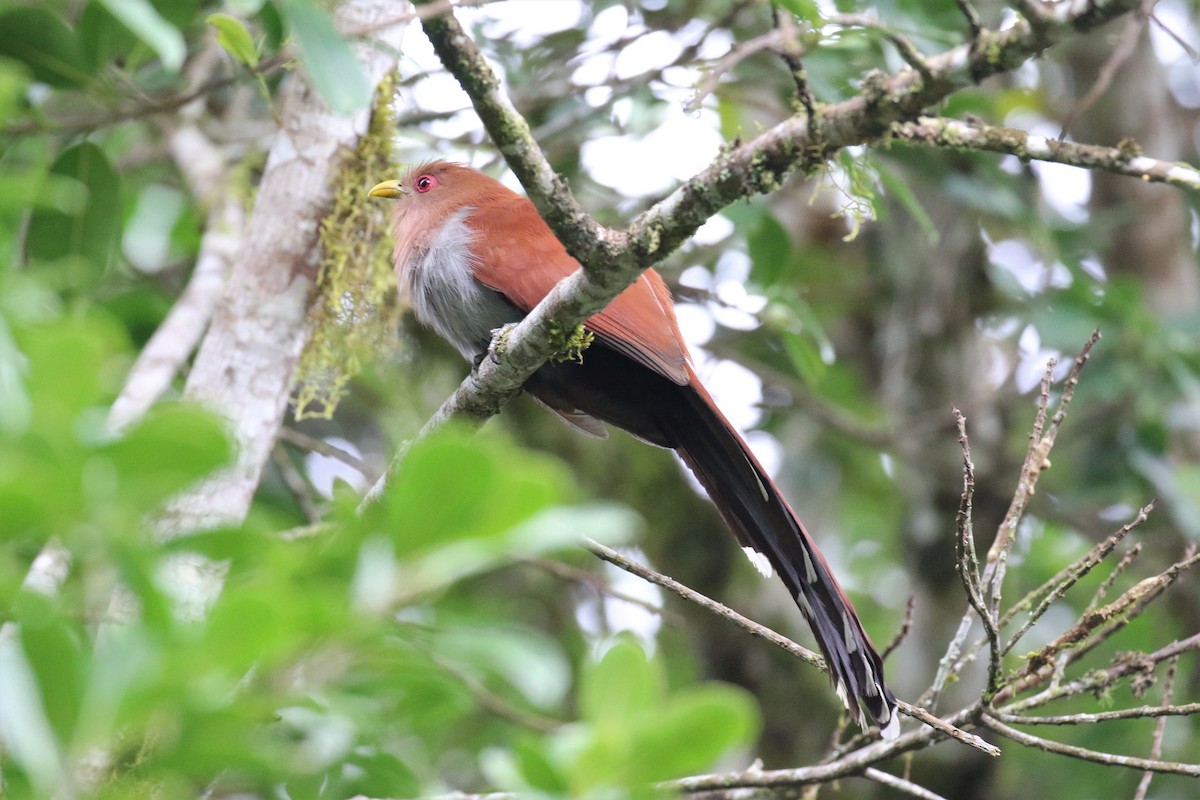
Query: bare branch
<point x="967" y="565"/>
<point x="1063" y="582"/>
<point x="1083" y="753"/>
<point x="763" y="632"/>
<point x="568" y="573"/>
<point x="907" y="49"/>
<point x="1041" y="440"/>
<point x="324" y="448"/>
<point x="1126" y="44"/>
<point x="1160" y="729"/>
<point x="949" y="728"/>
<point x="1101" y="623"/>
<point x="1106" y="584"/>
<point x="974" y="24"/>
<point x="1123" y="666"/>
<point x="905" y="629"/>
<point x="1124" y="159"/>
<point x="1138" y="712"/>
<point x="1078" y="569"/>
<point x="708" y="604"/>
<point x="1036" y="459"/>
<point x="900" y="784"/>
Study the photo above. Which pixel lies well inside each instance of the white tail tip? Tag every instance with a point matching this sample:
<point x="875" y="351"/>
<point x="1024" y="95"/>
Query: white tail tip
<point x="760" y="562"/>
<point x="891" y="731"/>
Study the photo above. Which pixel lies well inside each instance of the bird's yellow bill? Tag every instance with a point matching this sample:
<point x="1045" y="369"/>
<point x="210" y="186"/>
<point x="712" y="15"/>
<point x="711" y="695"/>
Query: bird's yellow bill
<point x="387" y="189"/>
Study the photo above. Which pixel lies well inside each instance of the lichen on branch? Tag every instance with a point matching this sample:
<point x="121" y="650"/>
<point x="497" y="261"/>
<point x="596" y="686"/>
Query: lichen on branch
<point x="357" y="311"/>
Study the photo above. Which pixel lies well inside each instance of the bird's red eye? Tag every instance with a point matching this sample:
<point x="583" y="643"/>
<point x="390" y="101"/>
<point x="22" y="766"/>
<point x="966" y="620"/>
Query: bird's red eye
<point x="425" y="183"/>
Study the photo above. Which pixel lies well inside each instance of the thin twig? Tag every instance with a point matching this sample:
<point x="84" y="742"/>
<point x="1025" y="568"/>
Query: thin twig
<point x="569" y="573"/>
<point x="900" y="784"/>
<point x="772" y="40"/>
<point x="493" y="702"/>
<point x="1160" y="729"/>
<point x="1124" y="159"/>
<point x="1079" y="568"/>
<point x="1093" y="628"/>
<point x="905" y="628"/>
<point x="1106" y="584"/>
<point x="907" y="50"/>
<point x="1123" y="666"/>
<point x="1083" y="753"/>
<point x="1031" y="470"/>
<point x="954" y="732"/>
<point x="708" y="604"/>
<point x="791" y="53"/>
<point x="974" y="24"/>
<point x="1066" y="582"/>
<point x="763" y="632"/>
<point x="1140" y="596"/>
<point x="966" y="563"/>
<point x="324" y="448"/>
<point x="1138" y="712"/>
<point x="296" y="483"/>
<point x="1175" y="37"/>
<point x="1102" y="622"/>
<point x="1124" y="48"/>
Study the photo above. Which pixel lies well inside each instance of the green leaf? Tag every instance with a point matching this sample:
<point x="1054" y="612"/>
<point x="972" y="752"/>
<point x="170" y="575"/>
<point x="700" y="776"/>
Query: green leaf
<point x="173" y="446"/>
<point x="806" y="10"/>
<point x="620" y="686"/>
<point x="332" y="67"/>
<point x="53" y="645"/>
<point x="690" y="732"/>
<point x="770" y="250"/>
<point x="103" y="37"/>
<point x="41" y="40"/>
<point x="524" y="658"/>
<point x="455" y="487"/>
<point x="31" y="739"/>
<point x="805" y="357"/>
<point x="380" y="774"/>
<point x="162" y="37"/>
<point x="234" y="38"/>
<point x="72" y="367"/>
<point x="91" y="233"/>
<point x="15" y="407"/>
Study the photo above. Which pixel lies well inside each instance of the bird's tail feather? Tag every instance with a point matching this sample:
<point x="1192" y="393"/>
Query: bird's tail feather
<point x="765" y="524"/>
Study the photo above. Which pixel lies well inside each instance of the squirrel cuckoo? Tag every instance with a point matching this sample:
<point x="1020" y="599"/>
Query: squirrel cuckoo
<point x="472" y="256"/>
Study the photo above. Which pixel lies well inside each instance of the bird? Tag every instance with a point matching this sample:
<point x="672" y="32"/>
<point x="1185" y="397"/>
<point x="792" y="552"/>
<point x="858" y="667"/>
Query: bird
<point x="473" y="256"/>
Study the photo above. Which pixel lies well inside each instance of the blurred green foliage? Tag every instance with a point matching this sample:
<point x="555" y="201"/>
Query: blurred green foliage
<point x="418" y="648"/>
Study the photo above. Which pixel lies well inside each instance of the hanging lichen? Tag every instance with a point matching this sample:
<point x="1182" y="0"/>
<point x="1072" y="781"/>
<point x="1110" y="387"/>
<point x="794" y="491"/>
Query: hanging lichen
<point x="355" y="315"/>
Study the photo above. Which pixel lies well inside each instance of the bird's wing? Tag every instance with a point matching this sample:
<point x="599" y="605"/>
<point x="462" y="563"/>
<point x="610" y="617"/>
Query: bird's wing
<point x="519" y="257"/>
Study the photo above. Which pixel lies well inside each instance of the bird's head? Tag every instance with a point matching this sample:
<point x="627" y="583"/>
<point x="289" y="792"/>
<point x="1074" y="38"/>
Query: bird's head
<point x="436" y="187"/>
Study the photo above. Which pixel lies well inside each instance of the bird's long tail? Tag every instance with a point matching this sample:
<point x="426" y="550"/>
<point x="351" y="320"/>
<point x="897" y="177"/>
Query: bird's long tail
<point x="769" y="530"/>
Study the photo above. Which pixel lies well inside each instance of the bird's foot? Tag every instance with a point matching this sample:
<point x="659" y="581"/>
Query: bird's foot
<point x="499" y="344"/>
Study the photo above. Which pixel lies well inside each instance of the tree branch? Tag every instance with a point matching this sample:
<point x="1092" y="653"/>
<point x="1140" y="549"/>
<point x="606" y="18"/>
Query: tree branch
<point x="936" y="725"/>
<point x="1084" y="754"/>
<point x="612" y="260"/>
<point x="1124" y="159"/>
<point x="243" y="369"/>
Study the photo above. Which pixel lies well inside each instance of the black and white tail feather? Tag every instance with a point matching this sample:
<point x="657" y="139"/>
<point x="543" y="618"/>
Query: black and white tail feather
<point x="611" y="388"/>
<point x="774" y="539"/>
